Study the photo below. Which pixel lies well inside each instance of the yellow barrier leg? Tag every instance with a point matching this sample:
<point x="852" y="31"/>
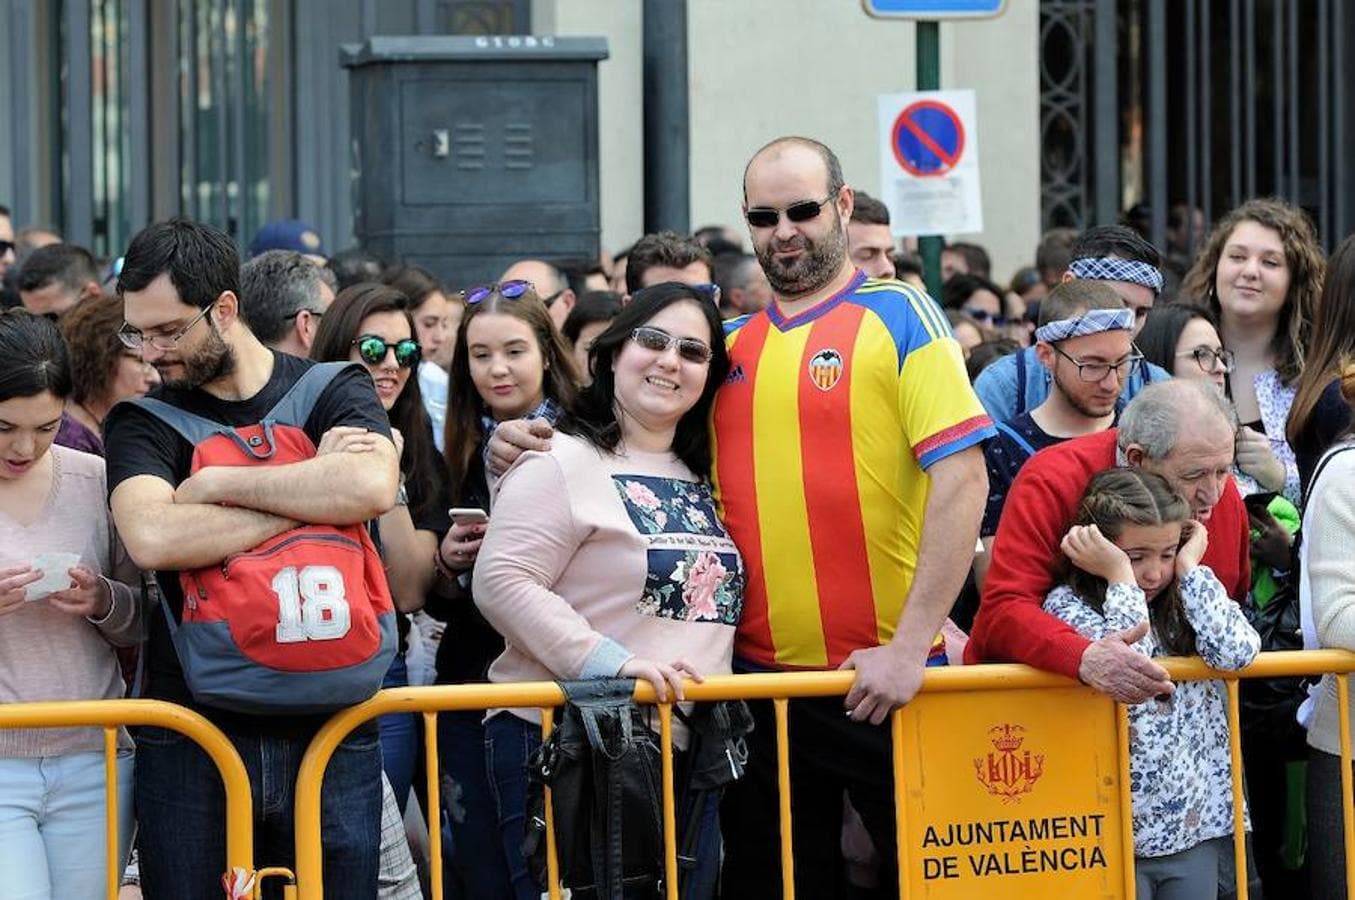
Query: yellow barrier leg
<point x="433" y="814"/>
<point x="900" y="798"/>
<point x="670" y="870"/>
<point x="783" y="783"/>
<point x="1239" y="822"/>
<point x="111" y="842"/>
<point x="1347" y="809"/>
<point x="1126" y="800"/>
<point x="552" y="861"/>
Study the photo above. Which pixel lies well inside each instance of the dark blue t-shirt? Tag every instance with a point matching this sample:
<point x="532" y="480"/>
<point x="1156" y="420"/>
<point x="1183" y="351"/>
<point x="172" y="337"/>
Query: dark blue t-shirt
<point x="1005" y="454"/>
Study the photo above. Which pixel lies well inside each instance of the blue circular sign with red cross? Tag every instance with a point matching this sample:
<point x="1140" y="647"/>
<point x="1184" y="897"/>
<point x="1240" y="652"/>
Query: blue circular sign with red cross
<point x="928" y="138"/>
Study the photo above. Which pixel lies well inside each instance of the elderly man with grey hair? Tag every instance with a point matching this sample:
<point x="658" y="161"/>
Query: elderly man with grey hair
<point x="1184" y="431"/>
<point x="283" y="296"/>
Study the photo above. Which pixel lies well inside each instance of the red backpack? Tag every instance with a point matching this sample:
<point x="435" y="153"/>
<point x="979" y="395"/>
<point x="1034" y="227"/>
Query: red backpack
<point x="303" y="623"/>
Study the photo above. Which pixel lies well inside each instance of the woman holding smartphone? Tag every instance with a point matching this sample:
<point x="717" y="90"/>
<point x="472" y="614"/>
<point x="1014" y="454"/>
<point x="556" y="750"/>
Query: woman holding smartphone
<point x="509" y="363"/>
<point x="66" y="600"/>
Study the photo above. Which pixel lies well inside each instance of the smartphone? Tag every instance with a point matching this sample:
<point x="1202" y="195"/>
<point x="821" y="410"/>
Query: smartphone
<point x="465" y="515"/>
<point x="1258" y="503"/>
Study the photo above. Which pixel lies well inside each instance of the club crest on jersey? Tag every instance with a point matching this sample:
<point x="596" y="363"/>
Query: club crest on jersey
<point x="825" y="368"/>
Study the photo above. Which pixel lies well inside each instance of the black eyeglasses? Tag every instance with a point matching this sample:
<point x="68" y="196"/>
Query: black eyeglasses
<point x="509" y="290"/>
<point x="1207" y="358"/>
<point x="767" y="217"/>
<point x="5" y="247"/>
<point x="659" y="341"/>
<point x="373" y="348"/>
<point x="133" y="339"/>
<point x="1094" y="372"/>
<point x="313" y="313"/>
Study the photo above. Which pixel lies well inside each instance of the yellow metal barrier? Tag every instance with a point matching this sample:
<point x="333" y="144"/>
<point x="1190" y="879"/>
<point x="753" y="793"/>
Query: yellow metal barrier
<point x="779" y="687"/>
<point x="109" y="715"/>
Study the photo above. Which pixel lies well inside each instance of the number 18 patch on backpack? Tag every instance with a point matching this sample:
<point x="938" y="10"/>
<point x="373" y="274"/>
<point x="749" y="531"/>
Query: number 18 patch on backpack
<point x="302" y="623"/>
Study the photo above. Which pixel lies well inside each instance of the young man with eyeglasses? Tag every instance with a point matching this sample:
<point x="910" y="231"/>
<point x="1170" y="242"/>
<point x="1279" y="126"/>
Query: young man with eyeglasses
<point x="180" y="284"/>
<point x="1114" y="255"/>
<point x="1083" y="341"/>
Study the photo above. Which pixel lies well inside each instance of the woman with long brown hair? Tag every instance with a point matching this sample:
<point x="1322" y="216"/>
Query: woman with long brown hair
<point x="1319" y="413"/>
<point x="1260" y="274"/>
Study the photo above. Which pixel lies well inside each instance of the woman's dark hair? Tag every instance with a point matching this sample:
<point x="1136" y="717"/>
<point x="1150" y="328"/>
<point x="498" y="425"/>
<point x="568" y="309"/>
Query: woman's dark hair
<point x="465" y="407"/>
<point x="35" y="357"/>
<point x="1332" y="350"/>
<point x="1130" y="496"/>
<point x="334" y="342"/>
<point x="1304" y="256"/>
<point x="955" y="293"/>
<point x="591" y="307"/>
<point x="91" y="333"/>
<point x="594" y="416"/>
<point x="1162" y="330"/>
<point x="416" y="283"/>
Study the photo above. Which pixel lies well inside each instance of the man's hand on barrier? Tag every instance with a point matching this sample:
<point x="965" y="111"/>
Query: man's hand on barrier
<point x="513" y="438"/>
<point x="1113" y="667"/>
<point x="885" y="678"/>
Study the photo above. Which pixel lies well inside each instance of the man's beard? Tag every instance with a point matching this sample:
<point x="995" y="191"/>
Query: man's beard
<point x="812" y="269"/>
<point x="214" y="359"/>
<point x="1076" y="402"/>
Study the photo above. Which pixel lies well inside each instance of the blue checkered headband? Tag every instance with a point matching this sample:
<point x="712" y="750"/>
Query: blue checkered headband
<point x="1093" y="321"/>
<point x="1109" y="268"/>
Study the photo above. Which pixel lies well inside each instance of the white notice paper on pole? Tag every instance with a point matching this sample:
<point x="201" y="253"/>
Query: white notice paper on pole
<point x="929" y="162"/>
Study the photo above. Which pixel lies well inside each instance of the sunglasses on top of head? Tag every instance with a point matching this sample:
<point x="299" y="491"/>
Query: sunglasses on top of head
<point x="767" y="216"/>
<point x="373" y="349"/>
<point x="508" y="290"/>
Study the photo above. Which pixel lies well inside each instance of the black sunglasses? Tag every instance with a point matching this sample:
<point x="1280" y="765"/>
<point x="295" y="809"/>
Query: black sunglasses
<point x="767" y="217"/>
<point x="5" y="247"/>
<point x="658" y="340"/>
<point x="509" y="290"/>
<point x="373" y="349"/>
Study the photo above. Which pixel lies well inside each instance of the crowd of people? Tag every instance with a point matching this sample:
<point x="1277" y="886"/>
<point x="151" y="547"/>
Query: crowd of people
<point x="685" y="460"/>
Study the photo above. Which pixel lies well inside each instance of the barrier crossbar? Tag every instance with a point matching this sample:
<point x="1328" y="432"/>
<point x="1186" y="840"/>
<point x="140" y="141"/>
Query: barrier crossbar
<point x="780" y="688"/>
<point x="112" y="714"/>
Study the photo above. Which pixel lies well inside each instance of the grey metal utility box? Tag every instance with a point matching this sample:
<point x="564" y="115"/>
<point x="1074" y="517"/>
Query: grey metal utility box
<point x="471" y="152"/>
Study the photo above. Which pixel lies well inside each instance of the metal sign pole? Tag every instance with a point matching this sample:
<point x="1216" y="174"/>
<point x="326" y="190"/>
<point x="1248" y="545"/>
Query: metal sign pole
<point x="929" y="79"/>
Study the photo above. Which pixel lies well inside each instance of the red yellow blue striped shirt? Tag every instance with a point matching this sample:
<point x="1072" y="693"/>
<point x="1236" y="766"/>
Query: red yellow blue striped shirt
<point x="823" y="433"/>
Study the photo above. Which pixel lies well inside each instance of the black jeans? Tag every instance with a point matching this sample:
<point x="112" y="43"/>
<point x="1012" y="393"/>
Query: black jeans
<point x="829" y="753"/>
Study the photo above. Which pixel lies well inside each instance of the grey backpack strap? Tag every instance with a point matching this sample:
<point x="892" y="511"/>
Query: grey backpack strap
<point x="192" y="428"/>
<point x="296" y="405"/>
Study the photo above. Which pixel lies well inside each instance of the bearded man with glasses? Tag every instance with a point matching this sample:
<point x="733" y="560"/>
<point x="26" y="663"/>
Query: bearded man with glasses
<point x="180" y="284"/>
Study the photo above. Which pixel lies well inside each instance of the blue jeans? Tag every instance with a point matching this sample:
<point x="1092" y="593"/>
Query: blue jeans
<point x="399" y="737"/>
<point x="52" y="810"/>
<point x="509" y="744"/>
<point x="181" y="811"/>
<point x="476" y="867"/>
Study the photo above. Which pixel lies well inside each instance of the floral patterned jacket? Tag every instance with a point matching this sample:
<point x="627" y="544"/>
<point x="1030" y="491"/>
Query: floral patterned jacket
<point x="1180" y="767"/>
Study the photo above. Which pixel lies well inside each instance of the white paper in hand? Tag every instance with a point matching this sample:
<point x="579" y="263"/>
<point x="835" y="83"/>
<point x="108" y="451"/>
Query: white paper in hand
<point x="55" y="568"/>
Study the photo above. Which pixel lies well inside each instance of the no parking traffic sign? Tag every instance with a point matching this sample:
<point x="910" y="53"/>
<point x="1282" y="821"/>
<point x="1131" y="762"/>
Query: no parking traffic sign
<point x="929" y="163"/>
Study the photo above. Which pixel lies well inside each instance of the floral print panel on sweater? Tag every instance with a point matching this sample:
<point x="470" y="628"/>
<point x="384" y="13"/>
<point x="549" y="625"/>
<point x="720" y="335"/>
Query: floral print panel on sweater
<point x="1179" y="763"/>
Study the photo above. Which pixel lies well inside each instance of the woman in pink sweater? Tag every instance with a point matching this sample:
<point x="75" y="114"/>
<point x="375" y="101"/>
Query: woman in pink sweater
<point x="65" y="602"/>
<point x="604" y="556"/>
